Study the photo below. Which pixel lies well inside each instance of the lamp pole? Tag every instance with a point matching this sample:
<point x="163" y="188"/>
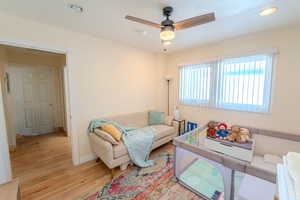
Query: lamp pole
<point x="168" y="97"/>
<point x="168" y="79"/>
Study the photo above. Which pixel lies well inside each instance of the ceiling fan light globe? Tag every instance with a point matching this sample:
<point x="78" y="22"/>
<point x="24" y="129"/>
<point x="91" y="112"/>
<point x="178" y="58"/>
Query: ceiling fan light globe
<point x="166" y="42"/>
<point x="268" y="11"/>
<point x="167" y="33"/>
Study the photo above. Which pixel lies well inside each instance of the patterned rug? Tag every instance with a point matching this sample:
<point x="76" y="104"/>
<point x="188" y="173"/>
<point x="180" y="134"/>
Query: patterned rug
<point x="152" y="183"/>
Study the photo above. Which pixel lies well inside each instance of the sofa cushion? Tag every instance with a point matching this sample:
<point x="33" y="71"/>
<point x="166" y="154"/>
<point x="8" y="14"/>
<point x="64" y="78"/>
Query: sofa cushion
<point x="139" y="119"/>
<point x="112" y="130"/>
<point x="156" y="117"/>
<point x="105" y="136"/>
<point x="162" y="131"/>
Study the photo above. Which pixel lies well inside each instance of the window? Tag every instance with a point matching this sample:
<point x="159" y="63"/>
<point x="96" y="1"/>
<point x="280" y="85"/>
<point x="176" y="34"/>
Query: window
<point x="195" y="84"/>
<point x="237" y="83"/>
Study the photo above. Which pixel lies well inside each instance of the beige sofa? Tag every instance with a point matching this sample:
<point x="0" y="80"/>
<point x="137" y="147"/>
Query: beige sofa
<point x="117" y="155"/>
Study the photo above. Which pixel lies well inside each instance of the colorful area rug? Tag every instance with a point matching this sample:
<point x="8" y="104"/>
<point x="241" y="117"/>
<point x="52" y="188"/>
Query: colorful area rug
<point x="153" y="183"/>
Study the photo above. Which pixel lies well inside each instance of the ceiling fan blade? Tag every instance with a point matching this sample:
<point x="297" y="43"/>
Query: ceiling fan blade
<point x="195" y="21"/>
<point x="142" y="21"/>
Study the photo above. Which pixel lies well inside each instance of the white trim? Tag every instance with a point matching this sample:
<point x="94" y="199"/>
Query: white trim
<point x="225" y="109"/>
<point x="24" y="44"/>
<point x="274" y="51"/>
<point x="87" y="158"/>
<point x="273" y="82"/>
<point x="70" y="130"/>
<point x="5" y="167"/>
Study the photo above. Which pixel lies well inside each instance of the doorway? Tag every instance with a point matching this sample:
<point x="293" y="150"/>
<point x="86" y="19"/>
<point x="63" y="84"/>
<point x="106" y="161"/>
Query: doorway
<point x="33" y="92"/>
<point x="33" y="84"/>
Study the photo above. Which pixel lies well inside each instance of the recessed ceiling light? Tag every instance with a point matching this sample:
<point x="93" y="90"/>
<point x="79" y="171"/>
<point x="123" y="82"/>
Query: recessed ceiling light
<point x="268" y="11"/>
<point x="76" y="8"/>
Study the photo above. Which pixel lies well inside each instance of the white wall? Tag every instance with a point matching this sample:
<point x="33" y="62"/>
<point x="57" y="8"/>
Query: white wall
<point x="106" y="78"/>
<point x="286" y="95"/>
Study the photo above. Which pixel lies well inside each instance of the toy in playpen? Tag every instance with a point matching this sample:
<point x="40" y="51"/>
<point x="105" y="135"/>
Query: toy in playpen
<point x="190" y="126"/>
<point x="192" y="133"/>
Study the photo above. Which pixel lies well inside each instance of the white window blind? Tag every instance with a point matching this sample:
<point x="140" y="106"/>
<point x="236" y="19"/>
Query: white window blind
<point x="195" y="83"/>
<point x="236" y="83"/>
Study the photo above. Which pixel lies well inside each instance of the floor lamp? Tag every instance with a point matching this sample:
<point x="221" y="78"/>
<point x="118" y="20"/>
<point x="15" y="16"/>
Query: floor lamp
<point x="168" y="79"/>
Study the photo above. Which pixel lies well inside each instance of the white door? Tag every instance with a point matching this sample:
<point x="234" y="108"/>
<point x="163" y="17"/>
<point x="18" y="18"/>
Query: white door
<point x="26" y="101"/>
<point x="44" y="100"/>
<point x="32" y="95"/>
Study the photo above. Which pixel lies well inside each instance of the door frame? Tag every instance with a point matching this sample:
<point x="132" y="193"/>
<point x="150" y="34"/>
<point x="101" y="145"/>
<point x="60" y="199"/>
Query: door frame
<point x="5" y="170"/>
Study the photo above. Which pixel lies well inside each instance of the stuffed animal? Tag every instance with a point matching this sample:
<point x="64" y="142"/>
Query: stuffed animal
<point x="222" y="131"/>
<point x="211" y="130"/>
<point x="234" y="134"/>
<point x="244" y="135"/>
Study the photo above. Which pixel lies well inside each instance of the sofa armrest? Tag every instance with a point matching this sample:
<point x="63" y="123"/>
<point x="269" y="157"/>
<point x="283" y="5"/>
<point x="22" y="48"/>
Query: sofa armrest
<point x="102" y="148"/>
<point x="170" y="122"/>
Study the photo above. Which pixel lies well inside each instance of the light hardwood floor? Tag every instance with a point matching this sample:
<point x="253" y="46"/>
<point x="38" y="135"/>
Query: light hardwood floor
<point x="44" y="167"/>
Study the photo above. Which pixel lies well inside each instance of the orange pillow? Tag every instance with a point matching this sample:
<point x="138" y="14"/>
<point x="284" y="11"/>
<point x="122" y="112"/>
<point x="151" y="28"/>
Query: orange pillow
<point x="112" y="130"/>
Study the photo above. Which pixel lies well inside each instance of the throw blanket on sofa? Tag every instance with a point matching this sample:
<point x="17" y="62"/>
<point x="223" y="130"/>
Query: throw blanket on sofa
<point x="137" y="140"/>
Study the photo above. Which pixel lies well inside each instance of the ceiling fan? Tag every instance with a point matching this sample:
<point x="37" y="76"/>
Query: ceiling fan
<point x="168" y="27"/>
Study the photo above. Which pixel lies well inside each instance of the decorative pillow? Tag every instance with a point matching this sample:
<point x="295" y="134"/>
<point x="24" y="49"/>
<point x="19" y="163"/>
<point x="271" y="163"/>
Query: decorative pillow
<point x="105" y="136"/>
<point x="112" y="130"/>
<point x="156" y="117"/>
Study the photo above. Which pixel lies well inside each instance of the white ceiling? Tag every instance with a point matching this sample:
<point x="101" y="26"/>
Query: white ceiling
<point x="105" y="18"/>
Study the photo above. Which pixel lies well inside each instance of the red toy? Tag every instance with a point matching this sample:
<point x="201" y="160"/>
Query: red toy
<point x="211" y="131"/>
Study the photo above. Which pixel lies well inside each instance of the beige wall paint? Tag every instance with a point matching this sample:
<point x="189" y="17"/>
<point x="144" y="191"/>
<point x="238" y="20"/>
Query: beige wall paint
<point x="34" y="58"/>
<point x="286" y="95"/>
<point x="105" y="78"/>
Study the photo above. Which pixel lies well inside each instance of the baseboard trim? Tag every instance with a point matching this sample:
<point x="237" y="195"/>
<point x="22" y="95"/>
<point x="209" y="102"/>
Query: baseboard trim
<point x="87" y="158"/>
<point x="12" y="148"/>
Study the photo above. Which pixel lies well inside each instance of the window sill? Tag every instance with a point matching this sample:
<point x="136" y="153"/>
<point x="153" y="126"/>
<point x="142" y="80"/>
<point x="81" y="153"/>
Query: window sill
<point x="225" y="109"/>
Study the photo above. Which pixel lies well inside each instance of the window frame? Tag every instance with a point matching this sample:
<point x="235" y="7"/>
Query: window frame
<point x="212" y="103"/>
